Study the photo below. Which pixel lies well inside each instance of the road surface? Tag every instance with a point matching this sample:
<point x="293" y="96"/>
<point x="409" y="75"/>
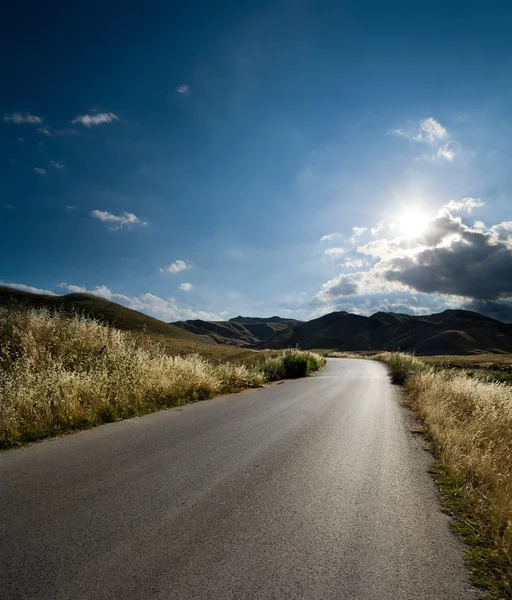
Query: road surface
<point x="311" y="489"/>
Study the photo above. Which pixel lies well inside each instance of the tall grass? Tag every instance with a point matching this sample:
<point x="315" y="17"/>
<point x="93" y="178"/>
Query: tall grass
<point x="60" y="373"/>
<point x="470" y="422"/>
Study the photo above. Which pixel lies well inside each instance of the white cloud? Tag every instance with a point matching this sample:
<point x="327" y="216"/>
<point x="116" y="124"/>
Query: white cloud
<point x="330" y="236"/>
<point x="466" y="204"/>
<point x="334" y="251"/>
<point x="70" y="207"/>
<point x="21" y="140"/>
<point x="175" y="267"/>
<point x="118" y="221"/>
<point x="447" y="152"/>
<point x="45" y="131"/>
<point x="353" y="264"/>
<point x="183" y="89"/>
<point x="359" y="230"/>
<point x="26" y="288"/>
<point x="167" y="310"/>
<point x="185" y="287"/>
<point x="57" y="165"/>
<point x="95" y="119"/>
<point x="18" y="118"/>
<point x="39" y="171"/>
<point x="430" y="131"/>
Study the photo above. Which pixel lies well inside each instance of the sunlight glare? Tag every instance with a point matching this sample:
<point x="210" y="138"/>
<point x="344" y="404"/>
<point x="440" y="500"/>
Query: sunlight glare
<point x="412" y="223"/>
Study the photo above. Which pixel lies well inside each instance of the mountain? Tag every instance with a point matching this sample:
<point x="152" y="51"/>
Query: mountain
<point x="241" y="319"/>
<point x="449" y="332"/>
<point x="251" y="332"/>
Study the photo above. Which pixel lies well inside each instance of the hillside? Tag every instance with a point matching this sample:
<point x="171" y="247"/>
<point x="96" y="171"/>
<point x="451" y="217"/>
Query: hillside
<point x="175" y="339"/>
<point x="449" y="332"/>
<point x="250" y="333"/>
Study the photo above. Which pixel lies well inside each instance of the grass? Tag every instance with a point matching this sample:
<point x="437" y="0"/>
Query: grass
<point x="469" y="423"/>
<point x="490" y="367"/>
<point x="60" y="373"/>
<point x="334" y="354"/>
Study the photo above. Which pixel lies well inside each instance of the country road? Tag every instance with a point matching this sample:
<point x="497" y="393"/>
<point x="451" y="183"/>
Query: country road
<point x="310" y="489"/>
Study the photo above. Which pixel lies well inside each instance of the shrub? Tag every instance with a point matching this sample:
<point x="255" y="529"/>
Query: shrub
<point x="291" y="364"/>
<point x="401" y="365"/>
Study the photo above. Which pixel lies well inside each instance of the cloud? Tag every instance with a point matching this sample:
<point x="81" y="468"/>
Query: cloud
<point x="167" y="310"/>
<point x="183" y="89"/>
<point x="466" y="204"/>
<point x="175" y="267"/>
<point x="334" y="251"/>
<point x="118" y="221"/>
<point x="429" y="131"/>
<point x="447" y="152"/>
<point x="357" y="232"/>
<point x="39" y="171"/>
<point x="19" y="118"/>
<point x="353" y="264"/>
<point x="70" y="207"/>
<point x="185" y="287"/>
<point x="95" y="119"/>
<point x="330" y="236"/>
<point x="449" y="258"/>
<point x="57" y="165"/>
<point x="27" y="288"/>
<point x="44" y="131"/>
<point x="342" y="285"/>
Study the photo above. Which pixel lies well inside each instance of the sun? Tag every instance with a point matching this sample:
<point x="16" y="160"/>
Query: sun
<point x="412" y="222"/>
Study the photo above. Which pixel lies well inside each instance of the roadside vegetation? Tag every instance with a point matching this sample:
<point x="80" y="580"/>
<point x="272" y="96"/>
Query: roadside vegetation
<point x="468" y="420"/>
<point x="60" y="373"/>
<point x="334" y="354"/>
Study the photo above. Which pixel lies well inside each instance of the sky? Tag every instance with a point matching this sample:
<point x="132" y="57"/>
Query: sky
<point x="206" y="159"/>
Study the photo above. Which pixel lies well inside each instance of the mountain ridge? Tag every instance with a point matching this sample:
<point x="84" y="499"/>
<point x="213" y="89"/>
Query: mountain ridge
<point x="451" y="331"/>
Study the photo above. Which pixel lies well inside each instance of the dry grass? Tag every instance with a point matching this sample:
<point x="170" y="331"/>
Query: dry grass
<point x="470" y="422"/>
<point x="334" y="354"/>
<point x="60" y="373"/>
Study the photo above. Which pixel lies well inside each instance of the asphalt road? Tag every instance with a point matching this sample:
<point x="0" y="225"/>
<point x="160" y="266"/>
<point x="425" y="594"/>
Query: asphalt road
<point x="309" y="489"/>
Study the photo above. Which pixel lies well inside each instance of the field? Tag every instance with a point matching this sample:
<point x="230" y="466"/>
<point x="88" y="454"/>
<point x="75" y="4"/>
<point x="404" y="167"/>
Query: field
<point x="60" y="373"/>
<point x="496" y="367"/>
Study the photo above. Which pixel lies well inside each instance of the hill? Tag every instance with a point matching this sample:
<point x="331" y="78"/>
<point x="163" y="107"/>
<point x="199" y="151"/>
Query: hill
<point x="253" y="332"/>
<point x="448" y="332"/>
<point x="241" y="319"/>
<point x="175" y="339"/>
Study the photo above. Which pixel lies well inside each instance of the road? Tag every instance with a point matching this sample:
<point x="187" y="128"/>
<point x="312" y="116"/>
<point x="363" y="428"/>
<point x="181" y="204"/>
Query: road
<point x="311" y="489"/>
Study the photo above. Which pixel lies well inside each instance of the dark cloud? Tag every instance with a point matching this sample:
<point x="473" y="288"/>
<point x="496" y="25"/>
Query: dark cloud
<point x="502" y="311"/>
<point x="475" y="264"/>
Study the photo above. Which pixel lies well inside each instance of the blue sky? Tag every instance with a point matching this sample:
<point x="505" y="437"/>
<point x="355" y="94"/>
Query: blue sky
<point x="186" y="159"/>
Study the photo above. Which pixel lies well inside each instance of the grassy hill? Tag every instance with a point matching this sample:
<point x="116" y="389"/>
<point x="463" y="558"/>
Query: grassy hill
<point x="175" y="339"/>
